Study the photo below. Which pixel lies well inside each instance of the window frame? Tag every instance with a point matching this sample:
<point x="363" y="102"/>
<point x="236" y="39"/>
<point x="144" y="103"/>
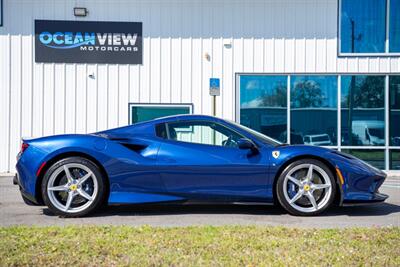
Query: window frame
<point x="155" y="105"/>
<point x="387" y="52"/>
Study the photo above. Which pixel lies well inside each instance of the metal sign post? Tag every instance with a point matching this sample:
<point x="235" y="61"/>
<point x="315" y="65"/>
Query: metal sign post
<point x="214" y="110"/>
<point x="214" y="92"/>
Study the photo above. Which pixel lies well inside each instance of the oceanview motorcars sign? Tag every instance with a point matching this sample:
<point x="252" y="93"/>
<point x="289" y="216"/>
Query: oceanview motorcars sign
<point x="88" y="42"/>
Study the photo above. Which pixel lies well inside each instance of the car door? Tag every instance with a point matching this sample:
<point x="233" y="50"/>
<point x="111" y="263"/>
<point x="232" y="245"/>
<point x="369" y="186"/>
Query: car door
<point x="201" y="159"/>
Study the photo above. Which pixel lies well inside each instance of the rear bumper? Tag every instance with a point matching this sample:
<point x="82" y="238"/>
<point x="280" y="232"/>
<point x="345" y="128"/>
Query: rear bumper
<point x="15" y="179"/>
<point x="23" y="192"/>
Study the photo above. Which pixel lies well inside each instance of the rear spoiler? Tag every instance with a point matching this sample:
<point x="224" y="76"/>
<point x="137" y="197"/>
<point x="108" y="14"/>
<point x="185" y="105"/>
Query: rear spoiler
<point x="27" y="138"/>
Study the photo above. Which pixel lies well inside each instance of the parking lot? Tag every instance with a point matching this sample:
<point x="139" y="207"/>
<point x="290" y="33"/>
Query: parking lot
<point x="14" y="212"/>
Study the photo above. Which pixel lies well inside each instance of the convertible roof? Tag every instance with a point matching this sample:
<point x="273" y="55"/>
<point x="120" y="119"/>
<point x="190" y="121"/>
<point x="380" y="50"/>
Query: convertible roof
<point x="183" y="117"/>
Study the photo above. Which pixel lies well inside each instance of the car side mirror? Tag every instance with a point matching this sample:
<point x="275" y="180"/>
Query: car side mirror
<point x="244" y="143"/>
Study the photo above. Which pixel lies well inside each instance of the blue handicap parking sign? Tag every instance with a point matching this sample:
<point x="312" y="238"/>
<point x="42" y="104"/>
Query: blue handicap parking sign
<point x="214" y="83"/>
<point x="214" y="87"/>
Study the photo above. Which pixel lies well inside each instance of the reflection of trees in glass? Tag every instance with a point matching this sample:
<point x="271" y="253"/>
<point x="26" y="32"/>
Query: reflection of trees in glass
<point x="275" y="99"/>
<point x="394" y="110"/>
<point x="271" y="97"/>
<point x="371" y="93"/>
<point x="394" y="89"/>
<point x="307" y="93"/>
<point x="363" y="92"/>
<point x="367" y="92"/>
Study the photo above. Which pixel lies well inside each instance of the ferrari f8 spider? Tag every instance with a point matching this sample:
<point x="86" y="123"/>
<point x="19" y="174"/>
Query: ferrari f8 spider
<point x="189" y="158"/>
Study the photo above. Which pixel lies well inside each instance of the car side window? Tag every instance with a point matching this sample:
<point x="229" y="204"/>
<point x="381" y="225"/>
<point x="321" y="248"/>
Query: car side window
<point x="199" y="132"/>
<point x="161" y="131"/>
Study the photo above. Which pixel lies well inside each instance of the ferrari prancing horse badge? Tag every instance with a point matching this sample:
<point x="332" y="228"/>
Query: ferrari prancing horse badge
<point x="275" y="153"/>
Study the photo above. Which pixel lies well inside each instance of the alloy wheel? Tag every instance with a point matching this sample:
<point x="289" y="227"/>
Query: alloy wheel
<point x="307" y="188"/>
<point x="72" y="187"/>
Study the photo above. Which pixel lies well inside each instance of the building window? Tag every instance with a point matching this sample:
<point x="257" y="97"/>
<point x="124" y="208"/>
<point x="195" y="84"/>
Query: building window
<point x="1" y="13"/>
<point x="375" y="157"/>
<point x="394" y="163"/>
<point x="358" y="114"/>
<point x="394" y="110"/>
<point x="313" y="107"/>
<point x="263" y="104"/>
<point x="363" y="110"/>
<point x="364" y="26"/>
<point x="145" y="112"/>
<point x="394" y="26"/>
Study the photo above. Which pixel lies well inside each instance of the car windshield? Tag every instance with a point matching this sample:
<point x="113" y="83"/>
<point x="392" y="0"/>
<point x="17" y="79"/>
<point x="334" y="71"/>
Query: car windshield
<point x="259" y="136"/>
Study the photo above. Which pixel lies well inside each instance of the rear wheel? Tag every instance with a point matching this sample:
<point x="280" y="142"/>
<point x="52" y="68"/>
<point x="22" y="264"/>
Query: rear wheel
<point x="73" y="187"/>
<point x="306" y="187"/>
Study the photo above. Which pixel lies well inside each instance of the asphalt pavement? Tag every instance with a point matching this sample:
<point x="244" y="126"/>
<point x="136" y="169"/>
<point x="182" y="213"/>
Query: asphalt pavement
<point x="14" y="212"/>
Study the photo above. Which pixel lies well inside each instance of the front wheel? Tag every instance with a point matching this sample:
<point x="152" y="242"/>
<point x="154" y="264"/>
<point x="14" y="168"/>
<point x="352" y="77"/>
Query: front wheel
<point x="73" y="187"/>
<point x="306" y="187"/>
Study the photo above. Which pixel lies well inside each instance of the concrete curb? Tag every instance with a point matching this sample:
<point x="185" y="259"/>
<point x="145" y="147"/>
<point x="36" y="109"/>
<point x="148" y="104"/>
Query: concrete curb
<point x="393" y="174"/>
<point x="5" y="174"/>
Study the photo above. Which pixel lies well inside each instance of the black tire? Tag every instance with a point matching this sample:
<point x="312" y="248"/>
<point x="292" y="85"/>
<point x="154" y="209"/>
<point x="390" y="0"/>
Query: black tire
<point x="280" y="188"/>
<point x="97" y="201"/>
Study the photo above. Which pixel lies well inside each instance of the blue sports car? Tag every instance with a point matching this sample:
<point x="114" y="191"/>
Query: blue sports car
<point x="189" y="158"/>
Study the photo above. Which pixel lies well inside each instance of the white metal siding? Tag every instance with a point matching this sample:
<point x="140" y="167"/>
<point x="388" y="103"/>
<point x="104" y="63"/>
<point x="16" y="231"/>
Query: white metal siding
<point x="39" y="99"/>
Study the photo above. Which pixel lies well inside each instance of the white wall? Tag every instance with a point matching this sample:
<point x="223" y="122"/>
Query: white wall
<point x="39" y="99"/>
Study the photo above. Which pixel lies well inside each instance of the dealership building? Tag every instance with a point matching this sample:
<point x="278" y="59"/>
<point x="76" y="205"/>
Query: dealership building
<point x="318" y="72"/>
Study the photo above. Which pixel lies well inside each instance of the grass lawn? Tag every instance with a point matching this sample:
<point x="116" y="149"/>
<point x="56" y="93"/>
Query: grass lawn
<point x="198" y="246"/>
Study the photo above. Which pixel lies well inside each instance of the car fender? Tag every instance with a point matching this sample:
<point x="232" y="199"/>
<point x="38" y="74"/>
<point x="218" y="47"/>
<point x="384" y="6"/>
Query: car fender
<point x="113" y="157"/>
<point x="281" y="156"/>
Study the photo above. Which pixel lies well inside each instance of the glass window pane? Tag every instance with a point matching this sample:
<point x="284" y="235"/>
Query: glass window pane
<point x="263" y="104"/>
<point x="394" y="26"/>
<point x="363" y="25"/>
<point x="394" y="110"/>
<point x="362" y="111"/>
<point x="203" y="133"/>
<point x="394" y="163"/>
<point x="313" y="103"/>
<point x="143" y="113"/>
<point x="372" y="156"/>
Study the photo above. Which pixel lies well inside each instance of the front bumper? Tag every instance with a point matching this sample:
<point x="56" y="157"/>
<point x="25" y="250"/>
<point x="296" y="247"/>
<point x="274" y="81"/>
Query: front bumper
<point x="363" y="188"/>
<point x="376" y="198"/>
